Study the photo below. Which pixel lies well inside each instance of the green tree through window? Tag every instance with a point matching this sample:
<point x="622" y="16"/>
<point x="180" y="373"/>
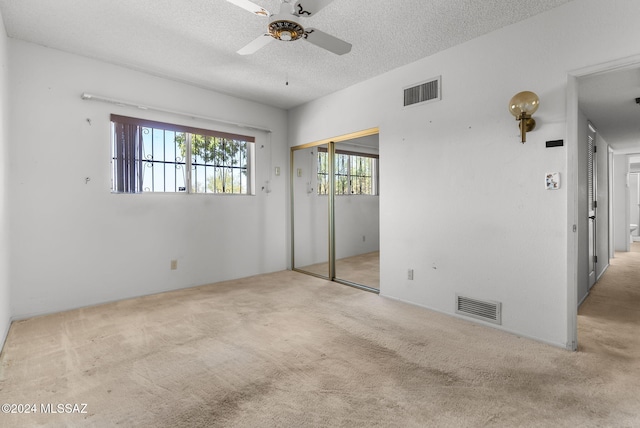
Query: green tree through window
<point x="159" y="157"/>
<point x="355" y="173"/>
<point x="218" y="165"/>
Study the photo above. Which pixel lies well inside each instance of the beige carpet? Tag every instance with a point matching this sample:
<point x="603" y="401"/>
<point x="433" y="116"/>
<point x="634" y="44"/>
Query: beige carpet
<point x="363" y="269"/>
<point x="291" y="350"/>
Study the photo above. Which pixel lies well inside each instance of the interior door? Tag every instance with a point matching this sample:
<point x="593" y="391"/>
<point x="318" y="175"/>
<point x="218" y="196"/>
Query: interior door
<point x="592" y="181"/>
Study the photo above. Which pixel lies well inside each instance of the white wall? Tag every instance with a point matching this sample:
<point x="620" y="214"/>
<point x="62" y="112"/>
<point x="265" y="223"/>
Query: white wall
<point x="634" y="213"/>
<point x="357" y="216"/>
<point x="620" y="202"/>
<point x="77" y="244"/>
<point x="462" y="201"/>
<point x="5" y="295"/>
<point x="602" y="196"/>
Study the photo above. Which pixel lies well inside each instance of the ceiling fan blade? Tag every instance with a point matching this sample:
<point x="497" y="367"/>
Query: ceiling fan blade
<point x="309" y="7"/>
<point x="256" y="44"/>
<point x="251" y="7"/>
<point x="327" y="41"/>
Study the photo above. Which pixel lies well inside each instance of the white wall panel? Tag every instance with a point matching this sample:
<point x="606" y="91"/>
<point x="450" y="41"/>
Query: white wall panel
<point x="5" y="289"/>
<point x="77" y="244"/>
<point x="462" y="202"/>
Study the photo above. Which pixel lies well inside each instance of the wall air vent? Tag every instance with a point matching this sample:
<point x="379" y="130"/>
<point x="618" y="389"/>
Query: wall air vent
<point x="423" y="93"/>
<point x="485" y="310"/>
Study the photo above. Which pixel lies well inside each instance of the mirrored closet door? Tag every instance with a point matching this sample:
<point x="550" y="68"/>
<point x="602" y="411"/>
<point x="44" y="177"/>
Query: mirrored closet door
<point x="357" y="211"/>
<point x="310" y="212"/>
<point x="335" y="209"/>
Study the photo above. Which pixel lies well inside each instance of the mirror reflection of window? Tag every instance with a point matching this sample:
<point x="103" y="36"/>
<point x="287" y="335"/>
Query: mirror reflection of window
<point x="355" y="173"/>
<point x="351" y="215"/>
<point x="357" y="212"/>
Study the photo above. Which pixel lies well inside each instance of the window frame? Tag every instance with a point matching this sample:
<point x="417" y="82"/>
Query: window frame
<point x="119" y="164"/>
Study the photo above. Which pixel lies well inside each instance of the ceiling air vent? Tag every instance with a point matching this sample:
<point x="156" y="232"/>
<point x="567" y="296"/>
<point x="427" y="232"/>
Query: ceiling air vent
<point x="423" y="93"/>
<point x="485" y="310"/>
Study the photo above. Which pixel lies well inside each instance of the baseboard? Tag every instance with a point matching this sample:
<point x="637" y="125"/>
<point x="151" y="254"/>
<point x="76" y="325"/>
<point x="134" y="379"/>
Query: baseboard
<point x="583" y="299"/>
<point x="602" y="272"/>
<point x="27" y="315"/>
<point x="485" y="324"/>
<point x="597" y="279"/>
<point x="5" y="334"/>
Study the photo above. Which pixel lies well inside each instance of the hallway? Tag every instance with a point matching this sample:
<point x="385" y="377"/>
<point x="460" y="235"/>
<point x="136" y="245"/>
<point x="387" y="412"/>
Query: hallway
<point x="609" y="319"/>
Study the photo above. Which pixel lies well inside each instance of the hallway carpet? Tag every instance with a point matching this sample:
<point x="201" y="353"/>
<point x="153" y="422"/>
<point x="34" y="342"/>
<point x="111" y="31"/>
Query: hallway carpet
<point x="290" y="350"/>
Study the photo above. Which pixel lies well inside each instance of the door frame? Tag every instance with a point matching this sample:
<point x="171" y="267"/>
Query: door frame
<point x="573" y="183"/>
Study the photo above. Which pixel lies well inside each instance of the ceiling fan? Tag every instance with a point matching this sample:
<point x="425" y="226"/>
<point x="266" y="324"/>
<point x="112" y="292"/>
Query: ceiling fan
<point x="286" y="26"/>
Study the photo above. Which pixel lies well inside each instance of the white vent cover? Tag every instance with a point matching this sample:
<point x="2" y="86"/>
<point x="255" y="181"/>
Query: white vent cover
<point x="485" y="310"/>
<point x="422" y="93"/>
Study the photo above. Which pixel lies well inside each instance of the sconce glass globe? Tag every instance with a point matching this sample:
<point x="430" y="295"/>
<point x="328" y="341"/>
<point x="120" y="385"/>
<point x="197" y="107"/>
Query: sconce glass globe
<point x="525" y="102"/>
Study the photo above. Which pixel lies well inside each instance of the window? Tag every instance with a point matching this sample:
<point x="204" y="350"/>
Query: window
<point x="152" y="156"/>
<point x="355" y="173"/>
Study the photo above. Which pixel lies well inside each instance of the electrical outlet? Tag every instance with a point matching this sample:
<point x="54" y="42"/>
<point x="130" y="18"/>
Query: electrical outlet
<point x="174" y="264"/>
<point x="363" y="238"/>
<point x="410" y="274"/>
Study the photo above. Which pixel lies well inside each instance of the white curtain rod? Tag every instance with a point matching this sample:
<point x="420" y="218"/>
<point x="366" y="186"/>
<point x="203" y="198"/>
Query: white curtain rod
<point x="92" y="97"/>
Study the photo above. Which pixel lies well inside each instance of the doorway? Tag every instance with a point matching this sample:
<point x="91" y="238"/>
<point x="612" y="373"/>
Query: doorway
<point x="335" y="215"/>
<point x="603" y="95"/>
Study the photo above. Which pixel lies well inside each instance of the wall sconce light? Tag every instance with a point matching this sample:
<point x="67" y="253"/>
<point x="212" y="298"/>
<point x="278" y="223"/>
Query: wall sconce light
<point x="522" y="106"/>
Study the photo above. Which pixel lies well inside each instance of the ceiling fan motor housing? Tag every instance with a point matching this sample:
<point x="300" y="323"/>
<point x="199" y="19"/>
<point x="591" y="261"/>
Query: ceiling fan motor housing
<point x="281" y="27"/>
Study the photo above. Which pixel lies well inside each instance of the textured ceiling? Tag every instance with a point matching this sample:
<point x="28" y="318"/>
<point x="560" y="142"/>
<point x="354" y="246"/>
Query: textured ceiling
<point x="196" y="41"/>
<point x="608" y="100"/>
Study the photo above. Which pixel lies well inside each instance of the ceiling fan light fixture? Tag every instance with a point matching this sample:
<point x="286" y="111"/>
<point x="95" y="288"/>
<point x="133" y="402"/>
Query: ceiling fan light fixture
<point x="285" y="26"/>
<point x="285" y="30"/>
